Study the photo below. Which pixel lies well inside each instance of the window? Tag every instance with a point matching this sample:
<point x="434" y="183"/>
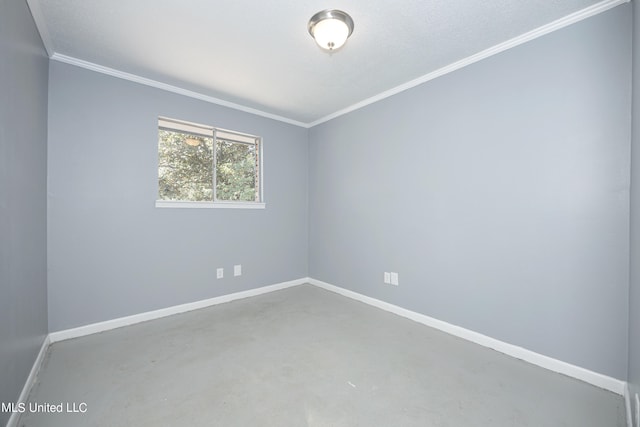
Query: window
<point x="202" y="166"/>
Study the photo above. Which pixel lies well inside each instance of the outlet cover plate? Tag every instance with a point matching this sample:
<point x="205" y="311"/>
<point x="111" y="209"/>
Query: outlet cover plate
<point x="387" y="277"/>
<point x="220" y="273"/>
<point x="237" y="270"/>
<point x="394" y="279"/>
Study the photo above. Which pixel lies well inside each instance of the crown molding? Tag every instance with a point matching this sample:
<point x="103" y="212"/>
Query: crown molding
<point x="170" y="88"/>
<point x="578" y="16"/>
<point x="573" y="18"/>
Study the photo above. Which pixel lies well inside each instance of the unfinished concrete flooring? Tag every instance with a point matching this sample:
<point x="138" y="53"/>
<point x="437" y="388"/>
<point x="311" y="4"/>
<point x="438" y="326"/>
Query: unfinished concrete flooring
<point x="303" y="357"/>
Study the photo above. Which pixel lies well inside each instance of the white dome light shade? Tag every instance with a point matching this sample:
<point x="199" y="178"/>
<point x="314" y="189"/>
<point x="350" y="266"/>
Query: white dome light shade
<point x="330" y="28"/>
<point x="331" y="33"/>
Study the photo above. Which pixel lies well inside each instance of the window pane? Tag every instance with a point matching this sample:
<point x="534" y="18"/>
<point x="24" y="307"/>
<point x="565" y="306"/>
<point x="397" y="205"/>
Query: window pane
<point x="236" y="171"/>
<point x="185" y="167"/>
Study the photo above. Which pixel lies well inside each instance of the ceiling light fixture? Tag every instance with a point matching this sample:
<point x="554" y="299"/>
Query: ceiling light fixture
<point x="330" y="28"/>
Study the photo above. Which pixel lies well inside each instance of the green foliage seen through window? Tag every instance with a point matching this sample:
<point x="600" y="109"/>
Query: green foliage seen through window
<point x="185" y="168"/>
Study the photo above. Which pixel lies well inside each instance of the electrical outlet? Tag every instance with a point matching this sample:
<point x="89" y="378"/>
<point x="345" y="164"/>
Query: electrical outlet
<point x="237" y="270"/>
<point x="394" y="279"/>
<point x="637" y="410"/>
<point x="387" y="277"/>
<point x="220" y="273"/>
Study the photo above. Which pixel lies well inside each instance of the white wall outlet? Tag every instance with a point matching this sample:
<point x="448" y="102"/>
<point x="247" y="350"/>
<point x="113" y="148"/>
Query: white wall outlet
<point x="394" y="279"/>
<point x="387" y="277"/>
<point x="637" y="410"/>
<point x="220" y="273"/>
<point x="237" y="270"/>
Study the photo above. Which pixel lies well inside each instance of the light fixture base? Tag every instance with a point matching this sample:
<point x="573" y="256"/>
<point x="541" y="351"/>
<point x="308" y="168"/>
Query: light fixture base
<point x="335" y="15"/>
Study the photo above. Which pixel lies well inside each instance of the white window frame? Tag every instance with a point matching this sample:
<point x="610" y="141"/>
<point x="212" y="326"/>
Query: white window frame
<point x="213" y="132"/>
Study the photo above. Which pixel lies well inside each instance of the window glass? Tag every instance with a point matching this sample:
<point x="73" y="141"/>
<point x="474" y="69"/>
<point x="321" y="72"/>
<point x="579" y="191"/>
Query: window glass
<point x="185" y="166"/>
<point x="190" y="170"/>
<point x="236" y="171"/>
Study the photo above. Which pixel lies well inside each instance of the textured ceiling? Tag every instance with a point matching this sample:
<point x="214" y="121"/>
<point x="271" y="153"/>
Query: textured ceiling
<point x="258" y="53"/>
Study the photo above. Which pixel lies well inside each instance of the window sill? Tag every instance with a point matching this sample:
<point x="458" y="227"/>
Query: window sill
<point x="209" y="205"/>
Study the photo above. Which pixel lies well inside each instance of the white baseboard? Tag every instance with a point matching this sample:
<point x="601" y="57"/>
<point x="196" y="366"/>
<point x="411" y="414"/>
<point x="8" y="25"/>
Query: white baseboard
<point x="603" y="381"/>
<point x="164" y="312"/>
<point x="627" y="405"/>
<point x="608" y="383"/>
<point x="31" y="379"/>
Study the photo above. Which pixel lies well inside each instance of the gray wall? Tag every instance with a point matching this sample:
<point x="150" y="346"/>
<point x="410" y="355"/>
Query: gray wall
<point x="634" y="290"/>
<point x="23" y="197"/>
<point x="499" y="193"/>
<point x="111" y="252"/>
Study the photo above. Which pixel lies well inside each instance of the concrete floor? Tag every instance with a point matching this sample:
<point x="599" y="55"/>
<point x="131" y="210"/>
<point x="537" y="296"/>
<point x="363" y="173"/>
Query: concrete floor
<point x="303" y="357"/>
